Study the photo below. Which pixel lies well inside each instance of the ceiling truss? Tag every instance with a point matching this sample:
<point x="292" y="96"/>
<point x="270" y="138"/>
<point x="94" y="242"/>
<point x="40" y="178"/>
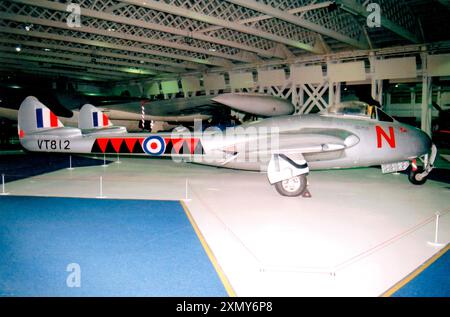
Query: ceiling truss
<point x="136" y="38"/>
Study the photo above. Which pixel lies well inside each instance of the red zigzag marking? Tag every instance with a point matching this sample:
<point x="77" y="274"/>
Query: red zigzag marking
<point x="102" y="143"/>
<point x="116" y="143"/>
<point x="130" y="144"/>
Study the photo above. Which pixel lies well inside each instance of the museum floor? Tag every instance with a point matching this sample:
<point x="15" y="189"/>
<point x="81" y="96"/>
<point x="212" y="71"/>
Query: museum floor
<point x="359" y="234"/>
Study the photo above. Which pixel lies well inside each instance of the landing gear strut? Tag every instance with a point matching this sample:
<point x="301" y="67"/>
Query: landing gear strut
<point x="418" y="174"/>
<point x="288" y="175"/>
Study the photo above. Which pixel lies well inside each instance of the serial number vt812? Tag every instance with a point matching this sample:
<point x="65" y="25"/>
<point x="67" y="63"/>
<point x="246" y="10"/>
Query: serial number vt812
<point x="53" y="145"/>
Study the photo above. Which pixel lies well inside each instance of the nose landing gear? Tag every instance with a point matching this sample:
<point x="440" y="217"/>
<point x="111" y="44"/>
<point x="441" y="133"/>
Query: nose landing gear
<point x="418" y="174"/>
<point x="415" y="176"/>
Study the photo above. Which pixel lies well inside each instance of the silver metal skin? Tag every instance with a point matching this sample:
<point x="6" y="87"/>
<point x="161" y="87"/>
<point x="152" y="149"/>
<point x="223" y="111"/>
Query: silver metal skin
<point x="285" y="147"/>
<point x="256" y="103"/>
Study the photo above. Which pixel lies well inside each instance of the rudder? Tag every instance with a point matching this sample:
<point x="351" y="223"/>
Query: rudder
<point x="34" y="116"/>
<point x="92" y="118"/>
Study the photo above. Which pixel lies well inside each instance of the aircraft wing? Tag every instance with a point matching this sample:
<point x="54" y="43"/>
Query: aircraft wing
<point x="253" y="103"/>
<point x="166" y="108"/>
<point x="312" y="143"/>
<point x="290" y="158"/>
<point x="309" y="141"/>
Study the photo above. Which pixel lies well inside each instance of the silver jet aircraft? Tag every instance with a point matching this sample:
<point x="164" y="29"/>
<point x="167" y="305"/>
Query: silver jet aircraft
<point x="346" y="135"/>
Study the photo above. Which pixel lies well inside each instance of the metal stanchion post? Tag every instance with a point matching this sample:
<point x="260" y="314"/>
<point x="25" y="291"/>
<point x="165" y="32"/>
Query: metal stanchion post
<point x="70" y="163"/>
<point x="435" y="243"/>
<point x="186" y="193"/>
<point x="3" y="193"/>
<point x="104" y="161"/>
<point x="101" y="188"/>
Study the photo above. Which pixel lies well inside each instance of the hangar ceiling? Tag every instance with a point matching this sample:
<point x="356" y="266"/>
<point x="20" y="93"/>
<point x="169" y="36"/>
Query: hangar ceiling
<point x="133" y="39"/>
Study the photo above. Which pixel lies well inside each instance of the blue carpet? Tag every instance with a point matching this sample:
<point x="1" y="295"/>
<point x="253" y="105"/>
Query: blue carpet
<point x="123" y="247"/>
<point x="21" y="166"/>
<point x="434" y="281"/>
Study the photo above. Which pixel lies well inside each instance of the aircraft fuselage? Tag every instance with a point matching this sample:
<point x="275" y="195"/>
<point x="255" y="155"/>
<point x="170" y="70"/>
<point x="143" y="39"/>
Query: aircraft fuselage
<point x="367" y="142"/>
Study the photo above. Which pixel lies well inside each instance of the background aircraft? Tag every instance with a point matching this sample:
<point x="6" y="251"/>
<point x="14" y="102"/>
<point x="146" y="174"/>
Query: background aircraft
<point x="159" y="114"/>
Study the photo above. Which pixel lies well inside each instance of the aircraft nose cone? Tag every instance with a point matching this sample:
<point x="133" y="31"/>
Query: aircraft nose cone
<point x="221" y="99"/>
<point x="424" y="142"/>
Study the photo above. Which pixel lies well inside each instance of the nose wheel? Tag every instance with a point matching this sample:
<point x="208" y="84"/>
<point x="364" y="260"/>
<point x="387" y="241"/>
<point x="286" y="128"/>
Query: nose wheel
<point x="416" y="177"/>
<point x="418" y="174"/>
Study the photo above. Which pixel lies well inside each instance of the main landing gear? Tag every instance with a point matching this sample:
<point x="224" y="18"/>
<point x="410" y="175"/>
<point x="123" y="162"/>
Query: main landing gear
<point x="288" y="176"/>
<point x="418" y="174"/>
<point x="292" y="187"/>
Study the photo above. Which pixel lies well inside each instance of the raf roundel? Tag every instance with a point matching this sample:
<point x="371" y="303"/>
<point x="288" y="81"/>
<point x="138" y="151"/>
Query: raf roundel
<point x="154" y="145"/>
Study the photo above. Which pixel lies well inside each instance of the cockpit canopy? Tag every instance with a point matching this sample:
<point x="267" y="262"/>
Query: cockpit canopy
<point x="358" y="109"/>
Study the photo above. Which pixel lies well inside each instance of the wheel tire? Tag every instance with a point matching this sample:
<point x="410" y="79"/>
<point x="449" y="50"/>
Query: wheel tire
<point x="292" y="187"/>
<point x="412" y="176"/>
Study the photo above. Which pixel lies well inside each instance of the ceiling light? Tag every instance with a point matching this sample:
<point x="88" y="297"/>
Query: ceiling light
<point x="111" y="30"/>
<point x="47" y="49"/>
<point x="28" y="27"/>
<point x="142" y="62"/>
<point x="212" y="49"/>
<point x="18" y="48"/>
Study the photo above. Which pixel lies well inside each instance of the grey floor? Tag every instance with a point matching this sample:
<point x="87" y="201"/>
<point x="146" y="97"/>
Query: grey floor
<point x="358" y="235"/>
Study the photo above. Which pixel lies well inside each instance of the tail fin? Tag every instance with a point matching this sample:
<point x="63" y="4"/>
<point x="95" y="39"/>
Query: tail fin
<point x="34" y="116"/>
<point x="93" y="121"/>
<point x="92" y="118"/>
